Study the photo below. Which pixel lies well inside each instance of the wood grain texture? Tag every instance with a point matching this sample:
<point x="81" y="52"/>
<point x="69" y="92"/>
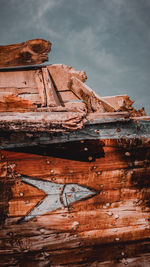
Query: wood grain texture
<point x="119" y="102"/>
<point x="11" y="102"/>
<point x="111" y="228"/>
<point x="93" y="101"/>
<point x="31" y="52"/>
<point x="41" y="88"/>
<point x="42" y="121"/>
<point x="20" y="87"/>
<point x="51" y="94"/>
<point x="61" y="75"/>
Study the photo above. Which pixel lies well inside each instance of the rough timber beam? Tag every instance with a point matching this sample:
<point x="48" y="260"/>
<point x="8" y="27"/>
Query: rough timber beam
<point x="93" y="101"/>
<point x="31" y="52"/>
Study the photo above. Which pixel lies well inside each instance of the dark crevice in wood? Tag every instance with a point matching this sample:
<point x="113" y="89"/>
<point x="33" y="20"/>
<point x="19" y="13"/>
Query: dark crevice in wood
<point x="87" y="151"/>
<point x="56" y="90"/>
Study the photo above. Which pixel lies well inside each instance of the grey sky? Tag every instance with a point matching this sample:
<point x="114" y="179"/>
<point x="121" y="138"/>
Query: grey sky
<point x="109" y="39"/>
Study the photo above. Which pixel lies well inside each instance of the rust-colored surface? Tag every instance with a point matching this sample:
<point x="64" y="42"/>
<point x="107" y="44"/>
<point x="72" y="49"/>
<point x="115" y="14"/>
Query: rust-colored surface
<point x="91" y="231"/>
<point x="25" y="53"/>
<point x="75" y="186"/>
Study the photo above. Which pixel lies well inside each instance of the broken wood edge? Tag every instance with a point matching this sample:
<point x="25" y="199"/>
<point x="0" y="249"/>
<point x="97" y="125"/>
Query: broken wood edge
<point x="51" y="98"/>
<point x="86" y="94"/>
<point x="31" y="52"/>
<point x="46" y="121"/>
<point x="56" y="121"/>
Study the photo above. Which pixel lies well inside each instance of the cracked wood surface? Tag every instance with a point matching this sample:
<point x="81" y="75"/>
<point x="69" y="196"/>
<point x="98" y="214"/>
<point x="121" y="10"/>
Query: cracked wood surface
<point x="31" y="52"/>
<point x="42" y="121"/>
<point x="113" y="227"/>
<point x="33" y="129"/>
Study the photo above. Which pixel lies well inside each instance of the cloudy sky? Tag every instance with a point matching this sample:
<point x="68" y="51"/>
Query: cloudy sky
<point x="109" y="39"/>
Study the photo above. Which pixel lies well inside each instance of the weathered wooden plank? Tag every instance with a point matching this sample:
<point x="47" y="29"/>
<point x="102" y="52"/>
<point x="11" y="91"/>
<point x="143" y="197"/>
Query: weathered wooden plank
<point x="19" y="91"/>
<point x="111" y="148"/>
<point x="19" y="86"/>
<point x="119" y="102"/>
<point x="117" y="161"/>
<point x="26" y="53"/>
<point x="115" y="216"/>
<point x="18" y="78"/>
<point x="41" y="88"/>
<point x="68" y="96"/>
<point x="11" y="102"/>
<point x="61" y="76"/>
<point x="45" y="121"/>
<point x="132" y="254"/>
<point x="107" y="116"/>
<point x="38" y="127"/>
<point x="124" y="103"/>
<point x="33" y="98"/>
<point x="93" y="101"/>
<point x="51" y="94"/>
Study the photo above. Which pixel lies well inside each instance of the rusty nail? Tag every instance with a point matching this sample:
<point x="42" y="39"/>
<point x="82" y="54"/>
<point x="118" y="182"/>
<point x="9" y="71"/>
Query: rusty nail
<point x="127" y="154"/>
<point x="118" y="130"/>
<point x="75" y="225"/>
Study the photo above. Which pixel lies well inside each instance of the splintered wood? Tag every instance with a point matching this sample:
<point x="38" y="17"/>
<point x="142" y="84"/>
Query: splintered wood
<point x="25" y="53"/>
<point x="42" y="121"/>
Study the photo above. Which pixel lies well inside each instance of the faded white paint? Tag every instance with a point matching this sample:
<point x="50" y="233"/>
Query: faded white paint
<point x="57" y="196"/>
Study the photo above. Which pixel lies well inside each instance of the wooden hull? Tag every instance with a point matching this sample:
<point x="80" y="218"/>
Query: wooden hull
<point x="74" y="168"/>
<point x="109" y="228"/>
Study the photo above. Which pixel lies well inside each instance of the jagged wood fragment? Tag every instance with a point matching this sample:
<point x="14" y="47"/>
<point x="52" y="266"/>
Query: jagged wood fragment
<point x="138" y="113"/>
<point x="31" y="52"/>
<point x="93" y="101"/>
<point x="45" y="121"/>
<point x="61" y="75"/>
<point x="124" y="103"/>
<point x="119" y="102"/>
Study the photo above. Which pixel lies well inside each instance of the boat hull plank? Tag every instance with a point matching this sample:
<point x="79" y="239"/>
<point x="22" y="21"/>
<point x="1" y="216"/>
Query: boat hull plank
<point x="115" y="220"/>
<point x="32" y="129"/>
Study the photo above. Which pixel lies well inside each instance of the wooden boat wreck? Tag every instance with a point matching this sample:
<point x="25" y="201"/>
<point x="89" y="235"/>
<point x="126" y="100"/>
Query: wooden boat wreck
<point x="74" y="168"/>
